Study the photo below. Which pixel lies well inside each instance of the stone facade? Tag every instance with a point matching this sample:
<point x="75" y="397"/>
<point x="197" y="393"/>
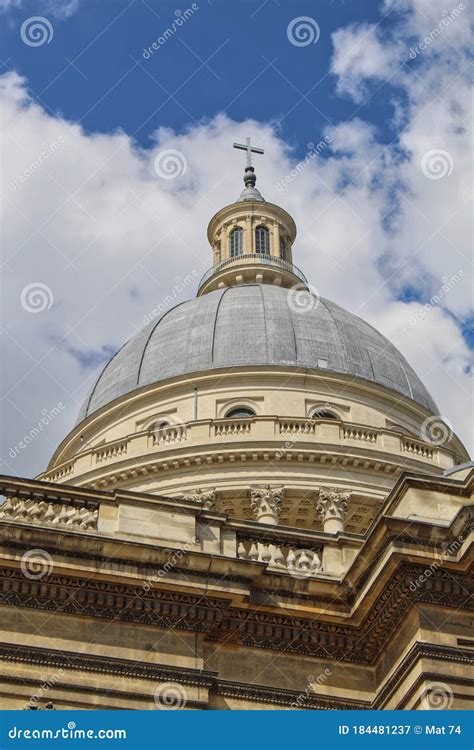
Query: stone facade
<point x="271" y="536"/>
<point x="162" y="601"/>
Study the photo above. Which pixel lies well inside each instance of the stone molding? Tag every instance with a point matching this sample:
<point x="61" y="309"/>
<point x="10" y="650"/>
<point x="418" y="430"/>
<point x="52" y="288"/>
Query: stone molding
<point x="420" y="650"/>
<point x="40" y="656"/>
<point x="64" y="660"/>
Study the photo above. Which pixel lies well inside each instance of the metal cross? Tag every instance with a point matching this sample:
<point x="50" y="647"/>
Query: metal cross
<point x="249" y="149"/>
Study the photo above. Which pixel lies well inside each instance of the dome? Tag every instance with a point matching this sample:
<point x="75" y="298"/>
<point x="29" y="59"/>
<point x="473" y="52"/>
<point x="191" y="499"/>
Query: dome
<point x="255" y="324"/>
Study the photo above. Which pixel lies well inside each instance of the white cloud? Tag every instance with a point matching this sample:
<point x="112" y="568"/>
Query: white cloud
<point x="6" y="5"/>
<point x="86" y="215"/>
<point x="359" y="56"/>
<point x="60" y="9"/>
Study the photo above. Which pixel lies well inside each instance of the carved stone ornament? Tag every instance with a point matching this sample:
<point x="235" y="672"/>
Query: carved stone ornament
<point x="332" y="503"/>
<point x="266" y="502"/>
<point x="331" y="507"/>
<point x="206" y="497"/>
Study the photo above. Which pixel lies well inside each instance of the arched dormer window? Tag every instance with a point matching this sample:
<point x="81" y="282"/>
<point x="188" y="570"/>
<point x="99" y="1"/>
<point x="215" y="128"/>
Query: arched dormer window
<point x="319" y="413"/>
<point x="160" y="424"/>
<point x="236" y="242"/>
<point x="262" y="240"/>
<point x="240" y="412"/>
<point x="282" y="249"/>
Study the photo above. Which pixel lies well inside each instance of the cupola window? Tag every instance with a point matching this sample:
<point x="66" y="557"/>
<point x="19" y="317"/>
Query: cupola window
<point x="262" y="241"/>
<point x="282" y="249"/>
<point x="236" y="242"/>
<point x="240" y="412"/>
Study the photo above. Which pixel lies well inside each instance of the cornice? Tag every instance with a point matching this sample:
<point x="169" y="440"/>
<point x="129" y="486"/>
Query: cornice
<point x="250" y="627"/>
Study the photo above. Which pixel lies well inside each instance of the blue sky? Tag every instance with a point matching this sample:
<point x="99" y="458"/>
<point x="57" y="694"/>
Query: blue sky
<point x="93" y="71"/>
<point x="383" y="215"/>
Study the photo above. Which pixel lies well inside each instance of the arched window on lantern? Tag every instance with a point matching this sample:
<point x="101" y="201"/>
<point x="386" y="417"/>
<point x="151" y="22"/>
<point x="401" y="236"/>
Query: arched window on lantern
<point x="282" y="249"/>
<point x="236" y="242"/>
<point x="262" y="240"/>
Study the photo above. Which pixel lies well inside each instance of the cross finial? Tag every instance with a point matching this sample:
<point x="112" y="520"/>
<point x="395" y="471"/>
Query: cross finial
<point x="249" y="176"/>
<point x="249" y="149"/>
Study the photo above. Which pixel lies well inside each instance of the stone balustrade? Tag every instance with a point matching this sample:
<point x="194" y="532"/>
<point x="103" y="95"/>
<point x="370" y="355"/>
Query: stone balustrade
<point x="62" y="472"/>
<point x="44" y="513"/>
<point x="354" y="432"/>
<point x="170" y="434"/>
<point x="111" y="451"/>
<point x="232" y="427"/>
<point x="296" y="426"/>
<point x="277" y="434"/>
<point x="299" y="562"/>
<point x="417" y="448"/>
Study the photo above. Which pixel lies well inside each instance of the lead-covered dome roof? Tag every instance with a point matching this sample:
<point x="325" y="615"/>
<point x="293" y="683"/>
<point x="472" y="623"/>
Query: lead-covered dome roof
<point x="255" y="324"/>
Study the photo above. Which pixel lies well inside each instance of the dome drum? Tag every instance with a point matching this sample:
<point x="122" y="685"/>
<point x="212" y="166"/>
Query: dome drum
<point x="217" y="429"/>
